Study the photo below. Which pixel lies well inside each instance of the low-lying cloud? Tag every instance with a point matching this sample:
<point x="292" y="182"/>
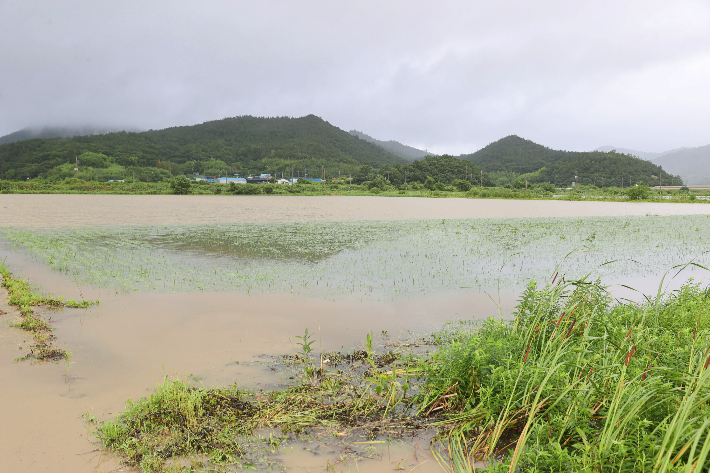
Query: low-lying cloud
<point x="451" y="76"/>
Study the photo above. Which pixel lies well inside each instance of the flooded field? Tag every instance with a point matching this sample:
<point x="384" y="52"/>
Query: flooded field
<point x="212" y="289"/>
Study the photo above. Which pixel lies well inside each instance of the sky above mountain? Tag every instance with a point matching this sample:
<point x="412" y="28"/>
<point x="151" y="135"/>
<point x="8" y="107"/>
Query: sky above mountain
<point x="449" y="76"/>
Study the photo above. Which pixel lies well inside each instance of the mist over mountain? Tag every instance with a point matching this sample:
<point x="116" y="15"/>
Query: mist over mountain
<point x="692" y="164"/>
<point x="53" y="132"/>
<point x="633" y="152"/>
<point x="403" y="151"/>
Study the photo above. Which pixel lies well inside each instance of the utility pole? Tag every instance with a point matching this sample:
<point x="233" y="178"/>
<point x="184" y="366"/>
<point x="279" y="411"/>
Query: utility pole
<point x="481" y="178"/>
<point x="76" y="168"/>
<point x="622" y="182"/>
<point x="576" y="180"/>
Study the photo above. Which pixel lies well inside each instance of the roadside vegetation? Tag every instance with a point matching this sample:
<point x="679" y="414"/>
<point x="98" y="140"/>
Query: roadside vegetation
<point x="574" y="381"/>
<point x="27" y="301"/>
<point x="378" y="186"/>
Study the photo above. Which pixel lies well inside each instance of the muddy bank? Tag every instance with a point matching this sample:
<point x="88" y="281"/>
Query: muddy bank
<point x="30" y="210"/>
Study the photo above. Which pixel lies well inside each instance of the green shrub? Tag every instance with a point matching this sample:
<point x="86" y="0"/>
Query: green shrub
<point x="248" y="189"/>
<point x="378" y="182"/>
<point x="638" y="192"/>
<point x="462" y="185"/>
<point x="547" y="187"/>
<point x="180" y="185"/>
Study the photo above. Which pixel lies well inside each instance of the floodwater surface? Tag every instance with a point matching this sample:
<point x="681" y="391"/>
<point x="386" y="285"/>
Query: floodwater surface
<point x="396" y="267"/>
<point x="32" y="210"/>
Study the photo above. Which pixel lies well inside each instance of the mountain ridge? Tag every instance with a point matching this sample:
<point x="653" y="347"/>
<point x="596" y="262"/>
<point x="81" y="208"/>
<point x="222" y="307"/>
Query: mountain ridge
<point x="533" y="162"/>
<point x="243" y="145"/>
<point x="406" y="152"/>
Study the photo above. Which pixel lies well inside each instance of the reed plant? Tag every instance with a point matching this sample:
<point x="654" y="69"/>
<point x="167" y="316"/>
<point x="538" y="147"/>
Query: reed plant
<point x="578" y="382"/>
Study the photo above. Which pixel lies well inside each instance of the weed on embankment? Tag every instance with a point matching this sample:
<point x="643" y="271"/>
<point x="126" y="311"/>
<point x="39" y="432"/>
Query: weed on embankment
<point x="578" y="383"/>
<point x="21" y="296"/>
<point x="574" y="382"/>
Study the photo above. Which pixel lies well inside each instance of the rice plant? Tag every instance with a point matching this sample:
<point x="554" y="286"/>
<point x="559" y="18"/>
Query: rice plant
<point x="369" y="260"/>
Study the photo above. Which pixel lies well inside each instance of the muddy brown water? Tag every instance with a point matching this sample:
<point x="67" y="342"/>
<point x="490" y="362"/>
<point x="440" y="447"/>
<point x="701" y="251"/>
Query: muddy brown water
<point x="24" y="210"/>
<point x="122" y="348"/>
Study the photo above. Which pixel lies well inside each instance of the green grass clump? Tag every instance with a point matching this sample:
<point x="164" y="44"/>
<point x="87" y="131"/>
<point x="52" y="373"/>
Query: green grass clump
<point x="178" y="421"/>
<point x="20" y="294"/>
<point x="577" y="383"/>
<point x="213" y="429"/>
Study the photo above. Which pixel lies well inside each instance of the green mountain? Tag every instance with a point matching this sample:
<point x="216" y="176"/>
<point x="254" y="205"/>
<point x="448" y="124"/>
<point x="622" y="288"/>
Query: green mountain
<point x="515" y="158"/>
<point x="405" y="152"/>
<point x="243" y="145"/>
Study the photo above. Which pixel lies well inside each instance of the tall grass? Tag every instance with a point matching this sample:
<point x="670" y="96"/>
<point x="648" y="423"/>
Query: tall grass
<point x="576" y="382"/>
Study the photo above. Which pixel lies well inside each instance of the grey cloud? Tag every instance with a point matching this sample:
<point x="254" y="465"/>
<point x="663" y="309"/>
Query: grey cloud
<point x="449" y="76"/>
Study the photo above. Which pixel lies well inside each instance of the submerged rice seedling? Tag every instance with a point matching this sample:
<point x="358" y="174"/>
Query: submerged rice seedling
<point x="372" y="260"/>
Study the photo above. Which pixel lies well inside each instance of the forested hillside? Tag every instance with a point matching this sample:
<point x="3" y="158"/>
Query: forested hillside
<point x="244" y="145"/>
<point x="513" y="158"/>
<point x="439" y="169"/>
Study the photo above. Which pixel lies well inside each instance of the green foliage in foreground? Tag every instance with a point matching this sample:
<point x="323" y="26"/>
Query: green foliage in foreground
<point x="575" y="383"/>
<point x="22" y="296"/>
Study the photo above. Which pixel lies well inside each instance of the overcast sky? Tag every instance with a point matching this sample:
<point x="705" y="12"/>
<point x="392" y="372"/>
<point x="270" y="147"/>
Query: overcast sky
<point x="448" y="76"/>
